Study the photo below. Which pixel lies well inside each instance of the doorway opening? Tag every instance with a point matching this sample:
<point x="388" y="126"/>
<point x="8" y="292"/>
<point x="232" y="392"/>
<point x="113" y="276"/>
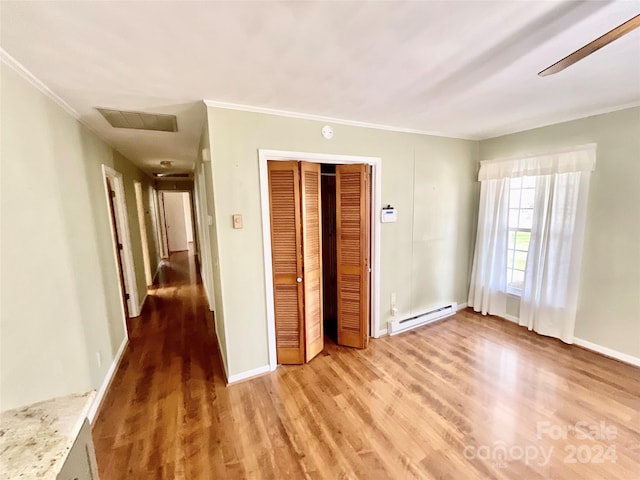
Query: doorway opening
<point x="355" y="307"/>
<point x="123" y="256"/>
<point x="177" y="225"/>
<point x="329" y="250"/>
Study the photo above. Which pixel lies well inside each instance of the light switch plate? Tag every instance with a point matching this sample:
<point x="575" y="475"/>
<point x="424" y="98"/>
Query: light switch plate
<point x="237" y="221"/>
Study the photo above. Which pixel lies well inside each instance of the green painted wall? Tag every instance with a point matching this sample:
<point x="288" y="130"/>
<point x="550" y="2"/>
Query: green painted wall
<point x="425" y="255"/>
<point x="60" y="302"/>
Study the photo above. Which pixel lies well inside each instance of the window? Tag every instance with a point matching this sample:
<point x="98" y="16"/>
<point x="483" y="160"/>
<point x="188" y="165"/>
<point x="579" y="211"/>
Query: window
<point x="531" y="224"/>
<point x="522" y="192"/>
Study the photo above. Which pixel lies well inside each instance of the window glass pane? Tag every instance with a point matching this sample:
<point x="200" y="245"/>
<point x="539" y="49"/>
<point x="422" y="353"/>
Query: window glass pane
<point x="513" y="218"/>
<point x="519" y="260"/>
<point x="522" y="240"/>
<point x="526" y="218"/>
<point x="522" y="195"/>
<point x="528" y="198"/>
<point x="514" y="199"/>
<point x="518" y="279"/>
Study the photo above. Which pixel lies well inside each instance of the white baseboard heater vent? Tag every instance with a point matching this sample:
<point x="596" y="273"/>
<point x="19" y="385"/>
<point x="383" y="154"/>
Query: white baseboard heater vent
<point x="399" y="326"/>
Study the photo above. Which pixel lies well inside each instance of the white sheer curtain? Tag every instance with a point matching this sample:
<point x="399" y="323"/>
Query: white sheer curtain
<point x="552" y="275"/>
<point x="551" y="280"/>
<point x="488" y="289"/>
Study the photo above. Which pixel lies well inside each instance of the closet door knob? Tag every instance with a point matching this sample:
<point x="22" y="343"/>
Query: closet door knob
<point x="299" y="279"/>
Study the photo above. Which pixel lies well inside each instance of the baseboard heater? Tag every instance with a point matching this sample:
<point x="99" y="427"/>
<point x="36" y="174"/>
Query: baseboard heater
<point x="399" y="326"/>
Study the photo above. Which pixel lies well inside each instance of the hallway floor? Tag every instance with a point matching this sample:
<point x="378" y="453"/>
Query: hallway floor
<point x="154" y="422"/>
<point x="461" y="398"/>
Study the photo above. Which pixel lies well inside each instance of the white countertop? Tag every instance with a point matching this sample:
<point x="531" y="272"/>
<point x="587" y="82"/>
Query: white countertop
<point x="35" y="440"/>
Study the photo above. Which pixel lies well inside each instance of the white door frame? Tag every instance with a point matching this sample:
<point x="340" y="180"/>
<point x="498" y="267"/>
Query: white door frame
<point x="162" y="225"/>
<point x="144" y="237"/>
<point x="206" y="259"/>
<point x="122" y="222"/>
<point x="153" y="201"/>
<point x="376" y="173"/>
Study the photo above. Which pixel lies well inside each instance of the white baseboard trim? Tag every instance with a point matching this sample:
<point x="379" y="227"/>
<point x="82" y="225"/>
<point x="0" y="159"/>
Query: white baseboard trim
<point x="511" y="318"/>
<point x="206" y="292"/>
<point x="461" y="306"/>
<point x="146" y="293"/>
<point x="222" y="358"/>
<point x="623" y="357"/>
<point x="248" y="374"/>
<point x="155" y="275"/>
<point x="144" y="299"/>
<point x="382" y="332"/>
<point x="95" y="406"/>
<point x="594" y="347"/>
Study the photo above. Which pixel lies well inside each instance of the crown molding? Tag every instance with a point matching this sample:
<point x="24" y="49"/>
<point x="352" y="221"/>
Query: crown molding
<point x="569" y="118"/>
<point x="16" y="66"/>
<point x="21" y="70"/>
<point x="321" y="118"/>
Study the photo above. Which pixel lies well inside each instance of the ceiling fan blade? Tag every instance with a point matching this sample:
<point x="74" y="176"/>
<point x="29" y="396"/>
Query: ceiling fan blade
<point x="591" y="47"/>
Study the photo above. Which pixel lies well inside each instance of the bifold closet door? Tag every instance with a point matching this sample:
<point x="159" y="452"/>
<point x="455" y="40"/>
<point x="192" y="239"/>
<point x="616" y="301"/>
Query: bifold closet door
<point x="312" y="258"/>
<point x="352" y="229"/>
<point x="296" y="250"/>
<point x="284" y="205"/>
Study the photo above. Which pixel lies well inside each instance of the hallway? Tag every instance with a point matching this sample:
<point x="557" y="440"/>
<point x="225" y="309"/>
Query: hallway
<point x="409" y="406"/>
<point x="161" y="402"/>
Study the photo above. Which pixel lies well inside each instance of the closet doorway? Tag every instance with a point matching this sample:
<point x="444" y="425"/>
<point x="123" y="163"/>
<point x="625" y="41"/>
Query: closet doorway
<point x="321" y="252"/>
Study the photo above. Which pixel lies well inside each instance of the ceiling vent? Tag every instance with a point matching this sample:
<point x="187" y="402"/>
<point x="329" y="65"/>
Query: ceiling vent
<point x="140" y="120"/>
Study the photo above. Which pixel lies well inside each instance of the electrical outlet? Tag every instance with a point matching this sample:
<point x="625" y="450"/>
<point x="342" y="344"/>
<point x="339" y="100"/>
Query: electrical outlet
<point x="99" y="357"/>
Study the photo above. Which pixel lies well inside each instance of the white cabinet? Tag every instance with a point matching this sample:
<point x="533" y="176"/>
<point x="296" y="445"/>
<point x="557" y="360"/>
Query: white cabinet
<point x="80" y="463"/>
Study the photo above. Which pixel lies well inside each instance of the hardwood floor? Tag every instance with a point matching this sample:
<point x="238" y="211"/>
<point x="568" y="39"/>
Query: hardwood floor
<point x="469" y="397"/>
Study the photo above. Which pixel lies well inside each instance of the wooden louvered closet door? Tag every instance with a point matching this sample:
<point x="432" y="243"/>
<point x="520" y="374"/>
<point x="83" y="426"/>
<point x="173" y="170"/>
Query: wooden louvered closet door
<point x="284" y="203"/>
<point x="352" y="226"/>
<point x="312" y="258"/>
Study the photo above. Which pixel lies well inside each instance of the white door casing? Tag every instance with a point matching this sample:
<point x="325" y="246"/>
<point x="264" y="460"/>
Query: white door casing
<point x="122" y="224"/>
<point x="376" y="205"/>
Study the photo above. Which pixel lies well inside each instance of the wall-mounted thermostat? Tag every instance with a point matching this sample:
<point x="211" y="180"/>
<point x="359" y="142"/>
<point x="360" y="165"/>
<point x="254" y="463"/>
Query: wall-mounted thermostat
<point x="389" y="214"/>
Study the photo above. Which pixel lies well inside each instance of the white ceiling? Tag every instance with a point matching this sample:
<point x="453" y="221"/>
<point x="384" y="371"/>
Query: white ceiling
<point x="463" y="69"/>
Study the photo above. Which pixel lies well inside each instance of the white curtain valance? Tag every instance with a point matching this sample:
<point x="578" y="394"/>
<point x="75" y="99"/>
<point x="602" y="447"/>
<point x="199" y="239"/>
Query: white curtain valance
<point x="577" y="159"/>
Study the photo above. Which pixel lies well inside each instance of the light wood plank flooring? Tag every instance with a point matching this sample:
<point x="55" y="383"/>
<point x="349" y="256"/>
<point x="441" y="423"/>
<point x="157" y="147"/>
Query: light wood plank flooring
<point x="470" y="397"/>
